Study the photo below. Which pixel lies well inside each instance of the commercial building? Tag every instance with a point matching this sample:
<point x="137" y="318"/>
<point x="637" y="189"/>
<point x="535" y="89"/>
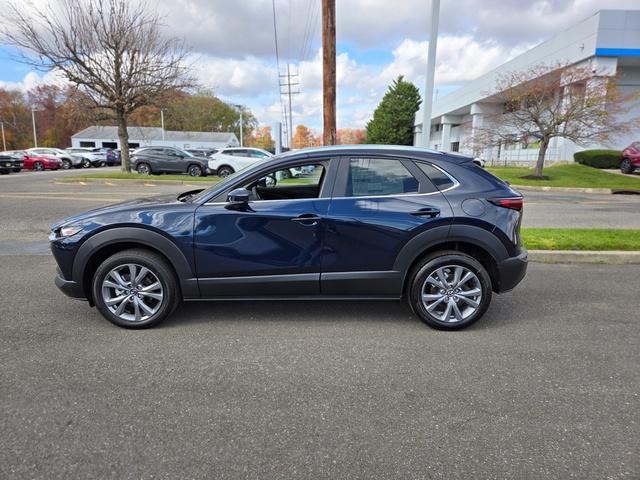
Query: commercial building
<point x="99" y="136"/>
<point x="608" y="43"/>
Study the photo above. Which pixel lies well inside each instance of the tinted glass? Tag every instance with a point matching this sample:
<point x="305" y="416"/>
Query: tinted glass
<point x="439" y="178"/>
<point x="373" y="176"/>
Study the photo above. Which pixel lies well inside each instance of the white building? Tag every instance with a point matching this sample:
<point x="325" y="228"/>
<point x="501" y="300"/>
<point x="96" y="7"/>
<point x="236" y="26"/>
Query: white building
<point x="608" y="43"/>
<point x="98" y="136"/>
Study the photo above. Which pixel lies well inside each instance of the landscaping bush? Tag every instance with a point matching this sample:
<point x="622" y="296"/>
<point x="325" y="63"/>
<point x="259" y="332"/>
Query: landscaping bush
<point x="599" y="158"/>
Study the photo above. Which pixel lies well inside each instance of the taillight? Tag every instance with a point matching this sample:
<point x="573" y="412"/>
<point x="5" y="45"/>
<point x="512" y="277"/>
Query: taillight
<point x="514" y="203"/>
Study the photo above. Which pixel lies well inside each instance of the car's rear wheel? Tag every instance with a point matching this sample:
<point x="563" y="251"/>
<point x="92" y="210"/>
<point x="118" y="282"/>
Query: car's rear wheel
<point x="626" y="166"/>
<point x="66" y="163"/>
<point x="450" y="290"/>
<point x="38" y="166"/>
<point x="102" y="164"/>
<point x="143" y="169"/>
<point x="135" y="289"/>
<point x="195" y="170"/>
<point x="86" y="163"/>
<point x="16" y="170"/>
<point x="225" y="171"/>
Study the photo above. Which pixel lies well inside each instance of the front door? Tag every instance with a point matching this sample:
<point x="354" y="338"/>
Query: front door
<point x="379" y="205"/>
<point x="271" y="246"/>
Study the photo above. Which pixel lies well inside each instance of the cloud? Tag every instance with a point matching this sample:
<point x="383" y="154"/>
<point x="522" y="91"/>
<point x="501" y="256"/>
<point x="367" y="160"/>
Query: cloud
<point x="33" y="79"/>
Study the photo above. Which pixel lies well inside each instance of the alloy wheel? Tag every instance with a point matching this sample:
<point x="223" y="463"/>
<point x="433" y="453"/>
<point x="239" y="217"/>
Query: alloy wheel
<point x="38" y="166"/>
<point x="132" y="292"/>
<point x="195" y="171"/>
<point x="143" y="169"/>
<point x="452" y="293"/>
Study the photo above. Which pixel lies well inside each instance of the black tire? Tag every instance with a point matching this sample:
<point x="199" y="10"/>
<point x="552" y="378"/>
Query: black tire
<point x="143" y="169"/>
<point x="286" y="174"/>
<point x="38" y="166"/>
<point x="443" y="260"/>
<point x="158" y="267"/>
<point x="195" y="170"/>
<point x="66" y="164"/>
<point x="86" y="163"/>
<point x="16" y="170"/>
<point x="225" y="171"/>
<point x="102" y="164"/>
<point x="626" y="166"/>
<point x="5" y="172"/>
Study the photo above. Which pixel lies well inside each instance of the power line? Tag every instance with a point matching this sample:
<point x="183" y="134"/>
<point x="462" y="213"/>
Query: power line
<point x="275" y="40"/>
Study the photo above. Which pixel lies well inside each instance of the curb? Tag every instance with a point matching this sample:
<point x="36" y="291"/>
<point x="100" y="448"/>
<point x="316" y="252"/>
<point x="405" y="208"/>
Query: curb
<point x="122" y="181"/>
<point x="527" y="188"/>
<point x="577" y="256"/>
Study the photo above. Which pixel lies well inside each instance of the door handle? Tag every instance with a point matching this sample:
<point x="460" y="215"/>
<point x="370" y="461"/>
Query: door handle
<point x="307" y="219"/>
<point x="430" y="212"/>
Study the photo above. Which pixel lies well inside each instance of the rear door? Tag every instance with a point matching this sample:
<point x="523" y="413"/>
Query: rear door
<point x="378" y="205"/>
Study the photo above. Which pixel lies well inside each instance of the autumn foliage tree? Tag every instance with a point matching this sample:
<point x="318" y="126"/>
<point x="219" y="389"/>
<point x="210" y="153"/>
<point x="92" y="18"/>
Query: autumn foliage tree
<point x="262" y="139"/>
<point x="559" y="100"/>
<point x="303" y="137"/>
<point x="350" y="136"/>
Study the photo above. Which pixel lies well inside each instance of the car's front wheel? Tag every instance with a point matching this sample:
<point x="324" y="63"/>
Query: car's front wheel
<point x="143" y="169"/>
<point x="194" y="170"/>
<point x="450" y="290"/>
<point x="626" y="166"/>
<point x="225" y="171"/>
<point x="66" y="163"/>
<point x="135" y="289"/>
<point x="86" y="163"/>
<point x="38" y="166"/>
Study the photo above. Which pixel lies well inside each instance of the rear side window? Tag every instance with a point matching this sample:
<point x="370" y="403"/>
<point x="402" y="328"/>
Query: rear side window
<point x="374" y="176"/>
<point x="440" y="179"/>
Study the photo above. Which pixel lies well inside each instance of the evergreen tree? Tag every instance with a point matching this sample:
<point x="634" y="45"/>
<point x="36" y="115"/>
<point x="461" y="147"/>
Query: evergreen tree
<point x="393" y="119"/>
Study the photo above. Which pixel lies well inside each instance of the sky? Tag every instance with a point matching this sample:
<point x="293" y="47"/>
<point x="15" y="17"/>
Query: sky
<point x="233" y="48"/>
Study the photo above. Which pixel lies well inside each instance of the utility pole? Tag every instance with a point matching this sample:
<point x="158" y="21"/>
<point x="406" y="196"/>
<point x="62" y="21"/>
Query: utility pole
<point x="329" y="71"/>
<point x="288" y="90"/>
<point x="241" y="122"/>
<point x="33" y="121"/>
<point x="431" y="68"/>
<point x="162" y="122"/>
<point x="4" y="142"/>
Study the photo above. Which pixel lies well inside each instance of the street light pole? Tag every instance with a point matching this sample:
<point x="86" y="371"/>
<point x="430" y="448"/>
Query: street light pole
<point x="33" y="121"/>
<point x="4" y="142"/>
<point x="239" y="107"/>
<point x="431" y="67"/>
<point x="162" y="122"/>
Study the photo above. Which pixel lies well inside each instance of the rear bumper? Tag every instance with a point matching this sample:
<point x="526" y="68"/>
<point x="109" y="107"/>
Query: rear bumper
<point x="68" y="287"/>
<point x="511" y="271"/>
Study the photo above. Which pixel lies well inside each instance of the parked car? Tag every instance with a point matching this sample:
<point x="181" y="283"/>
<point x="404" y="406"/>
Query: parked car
<point x="67" y="159"/>
<point x="630" y="158"/>
<point x="201" y="152"/>
<point x="33" y="161"/>
<point x="10" y="163"/>
<point x="148" y="160"/>
<point x="91" y="157"/>
<point x="226" y="161"/>
<point x="112" y="156"/>
<point x="371" y="222"/>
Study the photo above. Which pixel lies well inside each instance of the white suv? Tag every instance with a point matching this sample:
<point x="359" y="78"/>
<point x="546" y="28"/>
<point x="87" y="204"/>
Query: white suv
<point x="226" y="161"/>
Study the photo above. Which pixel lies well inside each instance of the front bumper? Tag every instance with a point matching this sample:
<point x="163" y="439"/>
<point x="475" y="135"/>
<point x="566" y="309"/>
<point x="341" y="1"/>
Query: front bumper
<point x="69" y="287"/>
<point x="511" y="271"/>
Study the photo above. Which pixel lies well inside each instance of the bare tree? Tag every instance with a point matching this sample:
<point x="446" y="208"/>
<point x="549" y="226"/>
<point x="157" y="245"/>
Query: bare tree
<point x="114" y="51"/>
<point x="548" y="101"/>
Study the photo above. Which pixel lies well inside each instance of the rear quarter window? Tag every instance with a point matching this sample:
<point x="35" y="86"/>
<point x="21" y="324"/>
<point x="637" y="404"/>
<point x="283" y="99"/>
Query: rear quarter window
<point x="440" y="179"/>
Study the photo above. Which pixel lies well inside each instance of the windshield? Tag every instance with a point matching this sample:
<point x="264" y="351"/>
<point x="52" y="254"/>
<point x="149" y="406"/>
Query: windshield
<point x="221" y="184"/>
<point x="186" y="154"/>
<point x="57" y="150"/>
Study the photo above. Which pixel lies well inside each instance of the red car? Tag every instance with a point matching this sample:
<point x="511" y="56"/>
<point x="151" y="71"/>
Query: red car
<point x="40" y="162"/>
<point x="630" y="158"/>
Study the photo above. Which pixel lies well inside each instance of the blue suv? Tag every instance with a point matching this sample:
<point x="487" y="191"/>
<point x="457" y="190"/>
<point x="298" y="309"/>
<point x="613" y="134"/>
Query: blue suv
<point x="359" y="222"/>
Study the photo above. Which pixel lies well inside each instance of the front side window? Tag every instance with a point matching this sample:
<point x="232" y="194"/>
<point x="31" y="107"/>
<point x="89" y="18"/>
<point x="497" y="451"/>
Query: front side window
<point x="375" y="176"/>
<point x="303" y="181"/>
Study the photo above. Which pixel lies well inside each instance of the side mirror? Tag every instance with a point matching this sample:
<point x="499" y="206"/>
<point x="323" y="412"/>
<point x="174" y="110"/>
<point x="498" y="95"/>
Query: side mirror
<point x="238" y="197"/>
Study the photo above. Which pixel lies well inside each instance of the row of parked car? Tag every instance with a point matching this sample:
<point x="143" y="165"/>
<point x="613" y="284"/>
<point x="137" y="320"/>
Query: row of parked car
<point x="55" y="158"/>
<point x="195" y="162"/>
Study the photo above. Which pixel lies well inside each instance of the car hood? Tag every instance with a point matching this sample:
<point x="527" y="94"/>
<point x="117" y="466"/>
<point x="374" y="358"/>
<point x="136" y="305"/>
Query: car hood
<point x="136" y="204"/>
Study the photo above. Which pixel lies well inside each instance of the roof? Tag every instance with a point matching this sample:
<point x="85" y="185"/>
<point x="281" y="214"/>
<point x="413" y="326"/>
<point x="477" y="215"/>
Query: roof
<point x="155" y="134"/>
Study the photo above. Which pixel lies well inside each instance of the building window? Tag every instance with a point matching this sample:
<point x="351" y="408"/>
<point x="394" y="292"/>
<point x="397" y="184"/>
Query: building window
<point x="134" y="145"/>
<point x="87" y="144"/>
<point x="113" y="145"/>
<point x="455" y="146"/>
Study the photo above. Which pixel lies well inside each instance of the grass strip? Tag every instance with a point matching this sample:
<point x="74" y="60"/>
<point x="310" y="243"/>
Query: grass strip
<point x="581" y="239"/>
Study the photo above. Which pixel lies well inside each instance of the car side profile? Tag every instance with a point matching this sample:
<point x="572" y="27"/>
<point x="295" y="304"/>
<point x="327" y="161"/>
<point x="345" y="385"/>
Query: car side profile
<point x="91" y="157"/>
<point x="226" y="161"/>
<point x="30" y="160"/>
<point x="630" y="158"/>
<point x="363" y="222"/>
<point x="67" y="159"/>
<point x="149" y="160"/>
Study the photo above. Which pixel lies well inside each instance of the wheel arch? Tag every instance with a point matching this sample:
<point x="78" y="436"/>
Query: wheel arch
<point x="475" y="241"/>
<point x="104" y="244"/>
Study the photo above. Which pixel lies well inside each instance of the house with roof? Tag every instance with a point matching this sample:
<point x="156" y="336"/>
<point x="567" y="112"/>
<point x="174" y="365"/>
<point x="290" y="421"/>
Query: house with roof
<point x="106" y="136"/>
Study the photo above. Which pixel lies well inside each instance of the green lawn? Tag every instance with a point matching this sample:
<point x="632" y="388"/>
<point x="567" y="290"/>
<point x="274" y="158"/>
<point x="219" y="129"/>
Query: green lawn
<point x="571" y="175"/>
<point x="580" y="239"/>
<point x="150" y="178"/>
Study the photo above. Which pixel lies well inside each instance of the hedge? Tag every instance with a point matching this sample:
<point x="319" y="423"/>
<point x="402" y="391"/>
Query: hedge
<point x="599" y="158"/>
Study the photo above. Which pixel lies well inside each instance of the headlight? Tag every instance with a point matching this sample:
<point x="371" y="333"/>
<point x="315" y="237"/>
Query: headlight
<point x="70" y="230"/>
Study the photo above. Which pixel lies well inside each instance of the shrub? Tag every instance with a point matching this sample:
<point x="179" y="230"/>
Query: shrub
<point x="599" y="158"/>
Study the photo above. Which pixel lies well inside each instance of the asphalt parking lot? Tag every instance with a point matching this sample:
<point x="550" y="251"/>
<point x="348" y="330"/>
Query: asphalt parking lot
<point x="546" y="385"/>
